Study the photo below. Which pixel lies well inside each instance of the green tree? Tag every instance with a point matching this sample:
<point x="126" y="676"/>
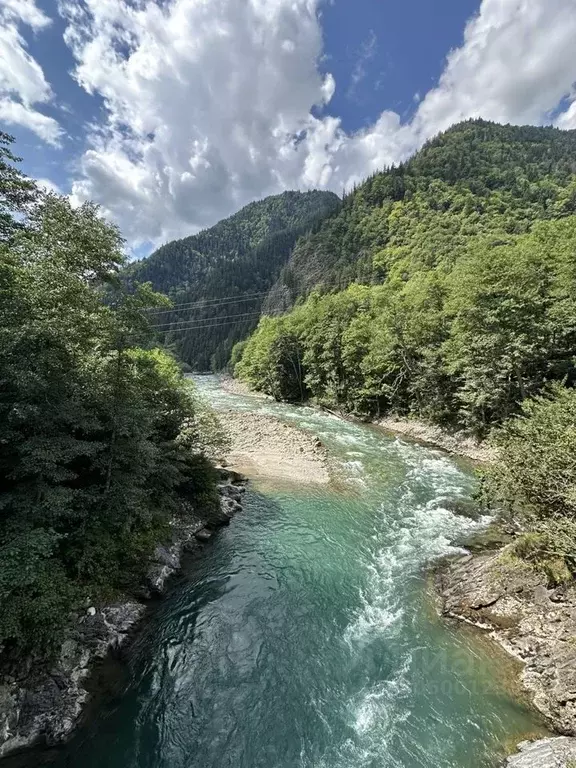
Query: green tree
<point x="534" y="479"/>
<point x="102" y="440"/>
<point x="221" y="275"/>
<point x="468" y="302"/>
<point x="17" y="192"/>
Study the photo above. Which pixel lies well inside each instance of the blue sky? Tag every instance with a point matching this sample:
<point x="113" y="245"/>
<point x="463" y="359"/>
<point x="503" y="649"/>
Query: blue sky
<point x="384" y="54"/>
<point x="174" y="113"/>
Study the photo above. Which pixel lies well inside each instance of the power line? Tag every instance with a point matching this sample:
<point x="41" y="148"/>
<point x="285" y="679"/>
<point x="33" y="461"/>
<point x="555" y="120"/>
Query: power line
<point x="216" y="325"/>
<point x="209" y="302"/>
<point x="340" y="285"/>
<point x="201" y="327"/>
<point x="165" y="327"/>
<point x="213" y="305"/>
<point x="197" y="324"/>
<point x="194" y="324"/>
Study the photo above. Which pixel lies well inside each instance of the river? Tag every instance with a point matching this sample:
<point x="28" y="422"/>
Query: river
<point x="304" y="635"/>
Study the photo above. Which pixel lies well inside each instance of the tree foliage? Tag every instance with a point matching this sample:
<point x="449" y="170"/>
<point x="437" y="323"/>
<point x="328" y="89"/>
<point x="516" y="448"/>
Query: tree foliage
<point x="534" y="480"/>
<point x="444" y="289"/>
<point x="101" y="439"/>
<point x="477" y="178"/>
<point x="224" y="272"/>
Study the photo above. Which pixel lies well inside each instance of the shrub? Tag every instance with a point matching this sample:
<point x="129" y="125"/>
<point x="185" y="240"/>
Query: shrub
<point x="534" y="479"/>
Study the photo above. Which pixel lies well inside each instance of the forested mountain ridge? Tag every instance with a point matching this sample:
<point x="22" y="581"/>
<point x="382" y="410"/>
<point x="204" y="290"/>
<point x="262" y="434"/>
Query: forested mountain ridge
<point x="240" y="256"/>
<point x="458" y="307"/>
<point x="477" y="177"/>
<point x="461" y="269"/>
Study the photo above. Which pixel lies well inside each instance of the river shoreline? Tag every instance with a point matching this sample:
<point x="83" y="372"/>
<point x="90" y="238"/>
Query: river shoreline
<point x="43" y="705"/>
<point x="531" y="621"/>
<point x="534" y="624"/>
<point x="457" y="443"/>
<point x="269" y="450"/>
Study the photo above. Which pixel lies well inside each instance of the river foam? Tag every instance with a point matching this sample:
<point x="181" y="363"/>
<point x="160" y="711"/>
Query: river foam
<point x="304" y="637"/>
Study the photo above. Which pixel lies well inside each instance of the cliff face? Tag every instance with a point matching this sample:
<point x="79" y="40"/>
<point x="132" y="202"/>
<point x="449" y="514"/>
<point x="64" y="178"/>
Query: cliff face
<point x="218" y="278"/>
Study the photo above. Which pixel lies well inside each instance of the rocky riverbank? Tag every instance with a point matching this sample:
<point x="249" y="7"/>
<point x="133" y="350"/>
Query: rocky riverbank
<point x="43" y="705"/>
<point x="265" y="448"/>
<point x="559" y="752"/>
<point x="453" y="442"/>
<point x="534" y="622"/>
<point x="456" y="442"/>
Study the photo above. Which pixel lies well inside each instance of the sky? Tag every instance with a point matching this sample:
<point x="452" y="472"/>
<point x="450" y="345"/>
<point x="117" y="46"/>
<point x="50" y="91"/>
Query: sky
<point x="172" y="114"/>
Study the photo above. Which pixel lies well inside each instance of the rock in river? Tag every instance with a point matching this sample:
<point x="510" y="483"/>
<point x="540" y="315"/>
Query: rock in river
<point x="559" y="752"/>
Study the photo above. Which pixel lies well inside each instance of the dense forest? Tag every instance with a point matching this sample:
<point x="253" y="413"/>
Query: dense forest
<point x="219" y="278"/>
<point x="459" y="285"/>
<point x="102" y="440"/>
<point x="445" y="290"/>
<point x="476" y="179"/>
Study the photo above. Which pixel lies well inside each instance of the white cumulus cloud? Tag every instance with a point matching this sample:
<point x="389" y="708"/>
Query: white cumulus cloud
<point x="209" y="104"/>
<point x="516" y="64"/>
<point x="22" y="81"/>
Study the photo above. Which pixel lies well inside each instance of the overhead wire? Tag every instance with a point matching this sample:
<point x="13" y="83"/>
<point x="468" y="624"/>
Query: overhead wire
<point x="209" y="302"/>
<point x="222" y="300"/>
<point x="201" y="327"/>
<point x="167" y="326"/>
<point x="192" y="324"/>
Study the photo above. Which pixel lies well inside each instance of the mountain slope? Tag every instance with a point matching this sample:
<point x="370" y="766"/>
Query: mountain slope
<point x="475" y="178"/>
<point x="467" y="255"/>
<point x="239" y="256"/>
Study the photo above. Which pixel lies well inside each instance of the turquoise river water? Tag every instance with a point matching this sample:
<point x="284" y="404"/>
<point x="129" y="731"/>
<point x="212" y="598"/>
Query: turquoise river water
<point x="304" y="635"/>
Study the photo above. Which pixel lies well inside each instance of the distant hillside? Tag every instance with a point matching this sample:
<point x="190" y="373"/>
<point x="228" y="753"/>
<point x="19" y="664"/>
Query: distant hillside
<point x="475" y="178"/>
<point x="240" y="256"/>
<point x="443" y="289"/>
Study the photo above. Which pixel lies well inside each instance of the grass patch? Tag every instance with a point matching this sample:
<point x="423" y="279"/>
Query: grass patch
<point x="536" y="552"/>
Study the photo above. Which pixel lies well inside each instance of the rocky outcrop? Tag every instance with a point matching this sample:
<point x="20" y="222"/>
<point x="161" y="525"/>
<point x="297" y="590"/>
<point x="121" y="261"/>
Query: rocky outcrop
<point x="47" y="703"/>
<point x="43" y="705"/>
<point x="534" y="622"/>
<point x="559" y="752"/>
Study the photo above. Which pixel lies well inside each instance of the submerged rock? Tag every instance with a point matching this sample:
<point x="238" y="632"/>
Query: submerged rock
<point x="462" y="507"/>
<point x="486" y="539"/>
<point x="557" y="752"/>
